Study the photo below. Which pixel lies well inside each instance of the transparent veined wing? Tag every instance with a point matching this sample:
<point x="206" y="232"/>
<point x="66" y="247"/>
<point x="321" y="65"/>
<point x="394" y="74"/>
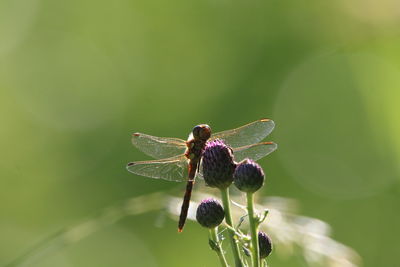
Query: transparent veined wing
<point x="247" y="134"/>
<point x="158" y="147"/>
<point x="170" y="169"/>
<point x="254" y="151"/>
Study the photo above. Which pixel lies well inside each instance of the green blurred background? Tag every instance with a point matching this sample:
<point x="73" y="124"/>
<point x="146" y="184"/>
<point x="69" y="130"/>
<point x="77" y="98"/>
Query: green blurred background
<point x="78" y="77"/>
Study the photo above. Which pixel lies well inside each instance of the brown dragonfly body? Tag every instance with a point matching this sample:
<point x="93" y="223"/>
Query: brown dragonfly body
<point x="195" y="145"/>
<point x="178" y="160"/>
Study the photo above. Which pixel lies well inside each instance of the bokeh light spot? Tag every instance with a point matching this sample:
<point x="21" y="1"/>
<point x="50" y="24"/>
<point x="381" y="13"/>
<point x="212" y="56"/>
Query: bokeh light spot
<point x="328" y="140"/>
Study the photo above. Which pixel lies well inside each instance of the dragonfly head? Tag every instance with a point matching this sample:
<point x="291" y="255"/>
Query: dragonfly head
<point x="202" y="132"/>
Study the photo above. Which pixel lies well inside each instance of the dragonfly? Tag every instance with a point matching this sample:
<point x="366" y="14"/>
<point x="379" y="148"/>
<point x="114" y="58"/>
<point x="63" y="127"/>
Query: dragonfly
<point x="179" y="160"/>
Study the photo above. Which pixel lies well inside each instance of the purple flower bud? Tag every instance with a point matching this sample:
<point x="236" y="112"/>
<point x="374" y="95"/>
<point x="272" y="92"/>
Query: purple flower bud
<point x="265" y="244"/>
<point x="248" y="176"/>
<point x="210" y="213"/>
<point x="218" y="164"/>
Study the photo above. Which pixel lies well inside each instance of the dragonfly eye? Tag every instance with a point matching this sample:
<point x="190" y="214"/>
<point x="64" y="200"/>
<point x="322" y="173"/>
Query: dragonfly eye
<point x="202" y="131"/>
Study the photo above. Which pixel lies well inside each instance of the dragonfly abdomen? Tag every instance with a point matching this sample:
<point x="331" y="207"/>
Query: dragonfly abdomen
<point x="188" y="194"/>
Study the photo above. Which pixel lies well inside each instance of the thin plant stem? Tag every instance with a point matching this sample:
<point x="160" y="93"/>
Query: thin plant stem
<point x="255" y="254"/>
<point x="218" y="250"/>
<point x="228" y="220"/>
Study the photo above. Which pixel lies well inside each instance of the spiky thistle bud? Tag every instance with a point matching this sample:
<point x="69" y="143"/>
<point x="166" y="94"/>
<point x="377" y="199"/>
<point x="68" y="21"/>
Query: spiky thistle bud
<point x="265" y="244"/>
<point x="248" y="176"/>
<point x="210" y="213"/>
<point x="218" y="164"/>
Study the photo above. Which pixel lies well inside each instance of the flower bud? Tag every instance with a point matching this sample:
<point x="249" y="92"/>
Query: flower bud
<point x="248" y="176"/>
<point x="218" y="164"/>
<point x="264" y="244"/>
<point x="210" y="213"/>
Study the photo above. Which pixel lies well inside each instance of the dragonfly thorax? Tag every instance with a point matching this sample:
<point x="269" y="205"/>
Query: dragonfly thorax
<point x="197" y="141"/>
<point x="194" y="149"/>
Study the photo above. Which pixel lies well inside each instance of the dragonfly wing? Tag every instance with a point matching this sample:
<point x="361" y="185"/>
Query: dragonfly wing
<point x="170" y="169"/>
<point x="254" y="151"/>
<point x="158" y="147"/>
<point x="247" y="134"/>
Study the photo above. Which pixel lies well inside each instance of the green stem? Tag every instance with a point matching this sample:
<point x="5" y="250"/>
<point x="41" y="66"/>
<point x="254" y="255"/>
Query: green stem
<point x="228" y="220"/>
<point x="218" y="250"/>
<point x="255" y="255"/>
